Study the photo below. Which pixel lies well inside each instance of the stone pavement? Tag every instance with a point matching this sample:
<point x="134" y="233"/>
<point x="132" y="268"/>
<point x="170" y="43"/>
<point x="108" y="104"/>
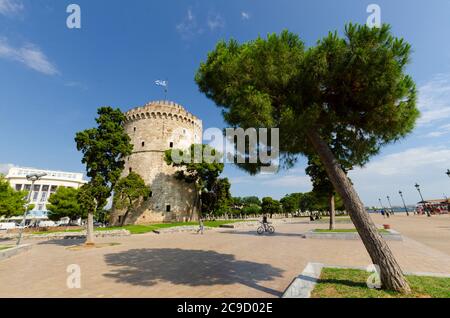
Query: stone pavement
<point x="225" y="263"/>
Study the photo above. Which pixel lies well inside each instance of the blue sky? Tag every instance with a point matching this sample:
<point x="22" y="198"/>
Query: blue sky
<point x="52" y="79"/>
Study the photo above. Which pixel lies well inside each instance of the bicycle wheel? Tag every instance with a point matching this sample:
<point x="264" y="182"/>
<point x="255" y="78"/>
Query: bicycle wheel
<point x="260" y="230"/>
<point x="271" y="230"/>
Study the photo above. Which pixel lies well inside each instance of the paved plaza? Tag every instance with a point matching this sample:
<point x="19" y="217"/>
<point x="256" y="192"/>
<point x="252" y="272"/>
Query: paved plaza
<point x="221" y="263"/>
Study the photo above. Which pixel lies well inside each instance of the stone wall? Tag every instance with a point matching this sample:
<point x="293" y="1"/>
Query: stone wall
<point x="153" y="129"/>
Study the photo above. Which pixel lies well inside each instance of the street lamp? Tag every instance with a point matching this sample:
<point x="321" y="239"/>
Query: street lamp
<point x="423" y="201"/>
<point x="404" y="204"/>
<point x="382" y="208"/>
<point x="389" y="201"/>
<point x="33" y="178"/>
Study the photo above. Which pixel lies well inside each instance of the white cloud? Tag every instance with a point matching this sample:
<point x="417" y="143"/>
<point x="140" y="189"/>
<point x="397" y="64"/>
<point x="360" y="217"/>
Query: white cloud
<point x="408" y="162"/>
<point x="215" y="21"/>
<point x="400" y="171"/>
<point x="188" y="28"/>
<point x="245" y="15"/>
<point x="4" y="167"/>
<point x="290" y="180"/>
<point x="10" y="7"/>
<point x="441" y="131"/>
<point x="29" y="55"/>
<point x="434" y="100"/>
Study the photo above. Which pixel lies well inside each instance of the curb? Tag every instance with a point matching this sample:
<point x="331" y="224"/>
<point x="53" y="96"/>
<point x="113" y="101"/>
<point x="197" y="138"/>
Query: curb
<point x="10" y="252"/>
<point x="391" y="236"/>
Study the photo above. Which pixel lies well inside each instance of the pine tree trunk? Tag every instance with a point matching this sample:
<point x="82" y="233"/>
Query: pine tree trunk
<point x="90" y="229"/>
<point x="391" y="274"/>
<point x="332" y="211"/>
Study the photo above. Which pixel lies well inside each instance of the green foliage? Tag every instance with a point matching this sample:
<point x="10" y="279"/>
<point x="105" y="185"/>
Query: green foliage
<point x="252" y="209"/>
<point x="104" y="151"/>
<point x="199" y="172"/>
<point x="270" y="206"/>
<point x="64" y="203"/>
<point x="204" y="174"/>
<point x="86" y="198"/>
<point x="12" y="203"/>
<point x="218" y="199"/>
<point x="251" y="201"/>
<point x="351" y="90"/>
<point x="130" y="192"/>
<point x="290" y="204"/>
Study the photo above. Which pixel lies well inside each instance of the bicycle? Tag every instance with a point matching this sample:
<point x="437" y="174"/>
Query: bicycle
<point x="269" y="228"/>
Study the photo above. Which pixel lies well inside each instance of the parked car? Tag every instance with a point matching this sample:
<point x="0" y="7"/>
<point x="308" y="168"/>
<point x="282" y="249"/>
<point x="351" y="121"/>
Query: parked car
<point x="8" y="226"/>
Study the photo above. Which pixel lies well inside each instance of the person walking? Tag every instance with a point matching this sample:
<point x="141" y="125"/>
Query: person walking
<point x="201" y="227"/>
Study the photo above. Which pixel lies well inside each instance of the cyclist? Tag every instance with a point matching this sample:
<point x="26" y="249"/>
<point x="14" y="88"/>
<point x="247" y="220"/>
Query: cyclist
<point x="265" y="222"/>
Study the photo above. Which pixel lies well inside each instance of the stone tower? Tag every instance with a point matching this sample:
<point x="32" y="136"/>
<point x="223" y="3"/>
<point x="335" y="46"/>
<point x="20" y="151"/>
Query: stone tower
<point x="153" y="129"/>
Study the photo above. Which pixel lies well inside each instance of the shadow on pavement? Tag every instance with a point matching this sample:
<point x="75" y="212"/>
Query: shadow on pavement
<point x="254" y="233"/>
<point x="63" y="242"/>
<point x="144" y="267"/>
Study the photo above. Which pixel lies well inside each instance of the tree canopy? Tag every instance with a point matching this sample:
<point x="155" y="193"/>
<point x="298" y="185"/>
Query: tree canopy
<point x="203" y="174"/>
<point x="64" y="203"/>
<point x="12" y="203"/>
<point x="351" y="89"/>
<point x="129" y="192"/>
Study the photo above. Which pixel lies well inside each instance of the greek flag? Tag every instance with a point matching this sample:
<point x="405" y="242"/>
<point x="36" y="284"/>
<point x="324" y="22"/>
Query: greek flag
<point x="162" y="83"/>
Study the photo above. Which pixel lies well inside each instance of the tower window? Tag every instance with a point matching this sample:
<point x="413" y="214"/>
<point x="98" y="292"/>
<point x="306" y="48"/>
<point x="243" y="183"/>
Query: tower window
<point x="171" y="145"/>
<point x="134" y="129"/>
<point x="167" y="208"/>
<point x="131" y="170"/>
<point x="143" y="143"/>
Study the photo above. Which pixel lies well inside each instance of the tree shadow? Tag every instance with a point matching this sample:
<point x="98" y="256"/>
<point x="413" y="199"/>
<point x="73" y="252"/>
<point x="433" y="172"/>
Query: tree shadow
<point x="64" y="242"/>
<point x="144" y="267"/>
<point x="343" y="282"/>
<point x="254" y="233"/>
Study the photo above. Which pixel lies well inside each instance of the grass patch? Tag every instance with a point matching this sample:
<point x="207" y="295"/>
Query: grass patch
<point x="142" y="229"/>
<point x="346" y="231"/>
<point x="5" y="247"/>
<point x="351" y="283"/>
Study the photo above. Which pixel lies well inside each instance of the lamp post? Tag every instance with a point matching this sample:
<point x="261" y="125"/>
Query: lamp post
<point x="382" y="208"/>
<point x="33" y="178"/>
<point x="423" y="201"/>
<point x="389" y="201"/>
<point x="404" y="204"/>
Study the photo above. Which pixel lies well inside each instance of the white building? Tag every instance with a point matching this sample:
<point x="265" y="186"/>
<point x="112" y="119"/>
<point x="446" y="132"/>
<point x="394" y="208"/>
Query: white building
<point x="44" y="187"/>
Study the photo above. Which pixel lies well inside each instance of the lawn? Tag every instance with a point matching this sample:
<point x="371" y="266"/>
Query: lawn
<point x="142" y="229"/>
<point x="4" y="247"/>
<point x="345" y="231"/>
<point x="351" y="283"/>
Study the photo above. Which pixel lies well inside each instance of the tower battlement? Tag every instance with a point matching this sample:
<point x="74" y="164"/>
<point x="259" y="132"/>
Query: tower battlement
<point x="166" y="110"/>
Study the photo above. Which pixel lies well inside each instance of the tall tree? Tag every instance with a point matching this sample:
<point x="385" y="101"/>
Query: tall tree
<point x="104" y="151"/>
<point x="322" y="185"/>
<point x="217" y="200"/>
<point x="12" y="203"/>
<point x="64" y="203"/>
<point x="129" y="192"/>
<point x="349" y="90"/>
<point x="270" y="206"/>
<point x="289" y="204"/>
<point x="201" y="173"/>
